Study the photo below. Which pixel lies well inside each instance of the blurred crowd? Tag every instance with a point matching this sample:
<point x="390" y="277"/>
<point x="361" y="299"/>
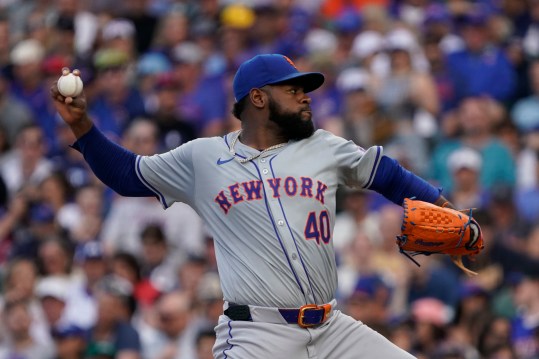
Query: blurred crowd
<point x="449" y="88"/>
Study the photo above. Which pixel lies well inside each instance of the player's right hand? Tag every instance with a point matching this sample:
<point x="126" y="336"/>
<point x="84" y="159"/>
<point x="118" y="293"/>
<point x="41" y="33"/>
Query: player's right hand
<point x="72" y="110"/>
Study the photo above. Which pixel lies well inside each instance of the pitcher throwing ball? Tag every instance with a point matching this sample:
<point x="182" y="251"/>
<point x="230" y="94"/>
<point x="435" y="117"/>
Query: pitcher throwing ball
<point x="267" y="194"/>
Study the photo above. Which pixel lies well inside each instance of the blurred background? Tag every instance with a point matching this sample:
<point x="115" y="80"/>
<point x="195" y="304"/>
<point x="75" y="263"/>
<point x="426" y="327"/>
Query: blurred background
<point x="449" y="88"/>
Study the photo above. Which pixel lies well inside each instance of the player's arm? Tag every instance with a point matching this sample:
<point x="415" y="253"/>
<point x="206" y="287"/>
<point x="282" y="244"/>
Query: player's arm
<point x="397" y="183"/>
<point x="112" y="164"/>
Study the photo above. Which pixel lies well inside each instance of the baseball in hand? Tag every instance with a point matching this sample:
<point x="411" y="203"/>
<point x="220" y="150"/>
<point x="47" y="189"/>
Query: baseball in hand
<point x="69" y="85"/>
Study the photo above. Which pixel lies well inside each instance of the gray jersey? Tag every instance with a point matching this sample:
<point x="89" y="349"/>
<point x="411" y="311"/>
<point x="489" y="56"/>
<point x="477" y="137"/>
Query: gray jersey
<point x="271" y="218"/>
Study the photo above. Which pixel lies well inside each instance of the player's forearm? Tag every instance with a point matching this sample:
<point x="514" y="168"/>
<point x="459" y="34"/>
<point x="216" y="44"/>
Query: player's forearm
<point x="81" y="127"/>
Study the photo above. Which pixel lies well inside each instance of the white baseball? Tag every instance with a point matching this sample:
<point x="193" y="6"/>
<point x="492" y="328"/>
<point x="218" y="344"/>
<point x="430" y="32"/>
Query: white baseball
<point x="70" y="85"/>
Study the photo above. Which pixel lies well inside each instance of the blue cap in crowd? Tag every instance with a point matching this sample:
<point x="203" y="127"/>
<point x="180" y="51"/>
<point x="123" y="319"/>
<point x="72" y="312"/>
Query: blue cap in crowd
<point x="88" y="251"/>
<point x="67" y="331"/>
<point x="269" y="69"/>
<point x="437" y="13"/>
<point x="370" y="286"/>
<point x="41" y="213"/>
<point x="471" y="289"/>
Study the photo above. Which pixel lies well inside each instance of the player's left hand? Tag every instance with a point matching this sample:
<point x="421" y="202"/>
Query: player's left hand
<point x="428" y="229"/>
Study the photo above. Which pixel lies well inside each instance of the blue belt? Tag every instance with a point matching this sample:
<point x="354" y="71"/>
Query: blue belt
<point x="307" y="316"/>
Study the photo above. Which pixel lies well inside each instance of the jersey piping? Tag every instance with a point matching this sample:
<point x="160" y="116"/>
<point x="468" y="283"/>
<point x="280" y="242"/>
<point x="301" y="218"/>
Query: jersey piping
<point x="293" y="237"/>
<point x="277" y="232"/>
<point x="374" y="168"/>
<point x="147" y="184"/>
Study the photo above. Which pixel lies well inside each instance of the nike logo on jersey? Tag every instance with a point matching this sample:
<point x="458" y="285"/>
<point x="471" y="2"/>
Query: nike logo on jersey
<point x="222" y="162"/>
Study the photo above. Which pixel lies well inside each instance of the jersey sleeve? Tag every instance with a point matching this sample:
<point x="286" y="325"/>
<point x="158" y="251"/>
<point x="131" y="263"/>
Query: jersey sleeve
<point x="356" y="165"/>
<point x="170" y="175"/>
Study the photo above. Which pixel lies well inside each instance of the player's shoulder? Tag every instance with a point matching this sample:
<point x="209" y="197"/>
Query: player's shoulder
<point x="206" y="142"/>
<point x="321" y="134"/>
<point x="325" y="137"/>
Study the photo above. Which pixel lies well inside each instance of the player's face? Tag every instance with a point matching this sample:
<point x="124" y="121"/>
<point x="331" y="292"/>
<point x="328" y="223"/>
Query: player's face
<point x="295" y="121"/>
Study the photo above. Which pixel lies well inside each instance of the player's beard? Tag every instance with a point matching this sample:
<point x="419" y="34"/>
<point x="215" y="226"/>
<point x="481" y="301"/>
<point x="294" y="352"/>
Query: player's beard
<point x="292" y="124"/>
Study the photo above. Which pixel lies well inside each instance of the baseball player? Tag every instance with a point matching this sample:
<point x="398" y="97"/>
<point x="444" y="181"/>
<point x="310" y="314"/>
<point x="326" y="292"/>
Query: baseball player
<point x="267" y="194"/>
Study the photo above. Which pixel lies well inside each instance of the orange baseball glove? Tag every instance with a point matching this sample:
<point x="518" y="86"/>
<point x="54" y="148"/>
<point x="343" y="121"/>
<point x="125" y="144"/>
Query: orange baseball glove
<point x="427" y="229"/>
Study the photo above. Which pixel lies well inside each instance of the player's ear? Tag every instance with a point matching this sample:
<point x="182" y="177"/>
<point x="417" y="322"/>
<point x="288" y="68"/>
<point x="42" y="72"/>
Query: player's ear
<point x="258" y="97"/>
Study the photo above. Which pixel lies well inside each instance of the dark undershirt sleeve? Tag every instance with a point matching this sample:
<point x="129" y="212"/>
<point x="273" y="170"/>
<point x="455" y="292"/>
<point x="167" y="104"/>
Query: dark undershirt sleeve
<point x="112" y="164"/>
<point x="396" y="183"/>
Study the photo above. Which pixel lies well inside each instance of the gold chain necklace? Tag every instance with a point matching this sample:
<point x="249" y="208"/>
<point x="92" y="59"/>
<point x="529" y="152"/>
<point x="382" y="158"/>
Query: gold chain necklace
<point x="245" y="160"/>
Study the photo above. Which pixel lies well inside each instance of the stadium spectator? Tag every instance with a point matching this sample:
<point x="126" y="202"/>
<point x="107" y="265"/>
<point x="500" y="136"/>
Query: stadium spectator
<point x="360" y="120"/>
<point x="369" y="302"/>
<point x="26" y="166"/>
<point x="69" y="341"/>
<point x="89" y="212"/>
<point x="117" y="102"/>
<point x="196" y="90"/>
<point x="473" y="313"/>
<point x="172" y="29"/>
<point x="19" y="343"/>
<point x="495" y="339"/>
<point x="204" y="344"/>
<point x="145" y="24"/>
<point x="19" y="282"/>
<point x="39" y="227"/>
<point x="524" y="110"/>
<point x="53" y="293"/>
<point x="14" y="114"/>
<point x="236" y="21"/>
<point x="166" y="339"/>
<point x="430" y="318"/>
<point x="389" y="262"/>
<point x="354" y="217"/>
<point x="477" y="117"/>
<point x="173" y="129"/>
<point x="119" y="34"/>
<point x="86" y="25"/>
<point x="465" y="167"/>
<point x="29" y="86"/>
<point x="56" y="192"/>
<point x="113" y="335"/>
<point x="493" y="75"/>
<point x="55" y="257"/>
<point x="524" y="325"/>
<point x="407" y="96"/>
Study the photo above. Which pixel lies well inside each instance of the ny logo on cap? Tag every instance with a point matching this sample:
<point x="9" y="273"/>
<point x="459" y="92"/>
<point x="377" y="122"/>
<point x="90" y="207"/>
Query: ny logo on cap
<point x="290" y="62"/>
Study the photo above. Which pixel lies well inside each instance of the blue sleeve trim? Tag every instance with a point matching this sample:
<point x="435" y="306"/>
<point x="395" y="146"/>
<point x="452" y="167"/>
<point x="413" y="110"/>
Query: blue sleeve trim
<point x="112" y="164"/>
<point x="375" y="167"/>
<point x="141" y="177"/>
<point x="396" y="183"/>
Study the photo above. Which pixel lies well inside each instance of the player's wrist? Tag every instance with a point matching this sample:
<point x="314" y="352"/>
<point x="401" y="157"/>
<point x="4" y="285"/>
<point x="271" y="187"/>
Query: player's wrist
<point x="444" y="202"/>
<point x="81" y="127"/>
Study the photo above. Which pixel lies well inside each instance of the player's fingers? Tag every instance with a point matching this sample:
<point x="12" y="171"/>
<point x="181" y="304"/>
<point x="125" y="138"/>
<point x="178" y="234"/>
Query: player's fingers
<point x="78" y="103"/>
<point x="65" y="71"/>
<point x="54" y="90"/>
<point x="76" y="72"/>
<point x="55" y="94"/>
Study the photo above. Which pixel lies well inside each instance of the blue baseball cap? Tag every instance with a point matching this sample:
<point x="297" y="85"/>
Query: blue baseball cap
<point x="269" y="69"/>
<point x="91" y="250"/>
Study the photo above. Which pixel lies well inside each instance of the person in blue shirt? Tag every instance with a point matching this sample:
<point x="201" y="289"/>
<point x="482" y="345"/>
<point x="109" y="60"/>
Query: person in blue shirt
<point x="481" y="69"/>
<point x="476" y="117"/>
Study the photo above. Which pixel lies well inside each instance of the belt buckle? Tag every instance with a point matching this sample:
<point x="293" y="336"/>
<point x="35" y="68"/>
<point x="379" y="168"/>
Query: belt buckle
<point x="301" y="314"/>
